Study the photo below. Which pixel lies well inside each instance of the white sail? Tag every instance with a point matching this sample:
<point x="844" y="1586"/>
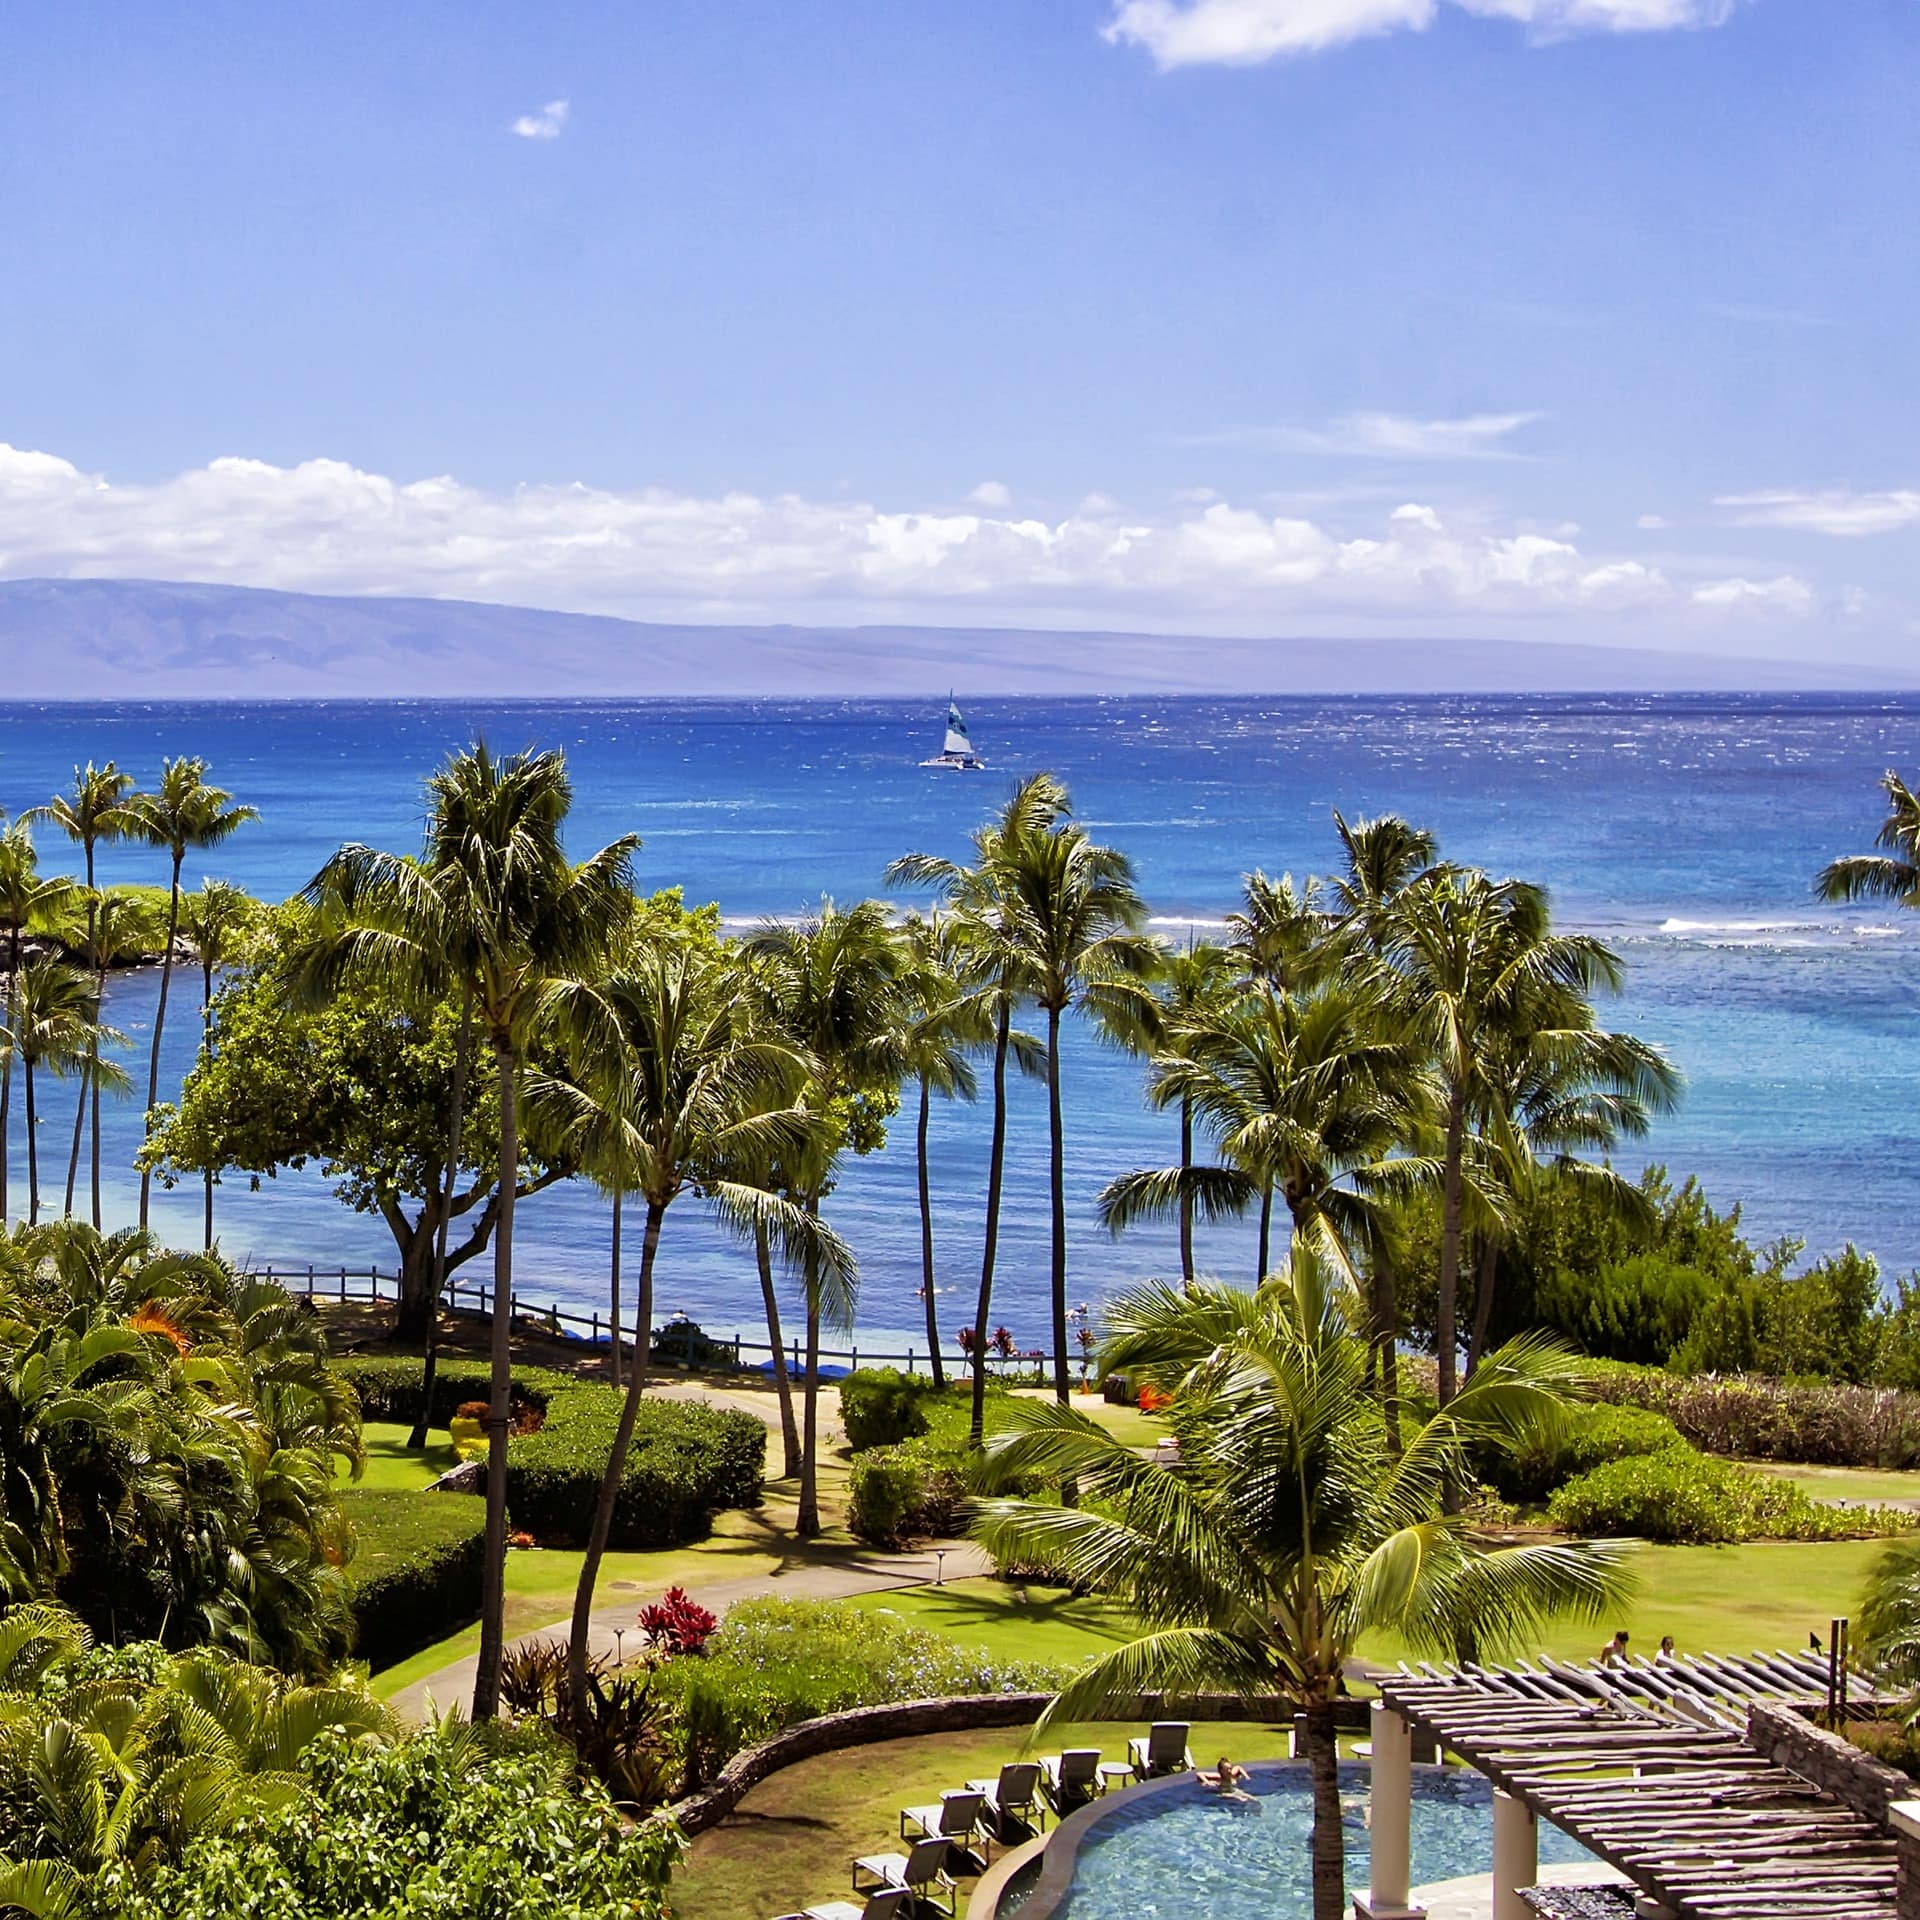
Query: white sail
<point x="956" y="741"/>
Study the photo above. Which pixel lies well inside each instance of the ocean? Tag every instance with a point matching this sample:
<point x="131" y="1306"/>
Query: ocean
<point x="1685" y="829"/>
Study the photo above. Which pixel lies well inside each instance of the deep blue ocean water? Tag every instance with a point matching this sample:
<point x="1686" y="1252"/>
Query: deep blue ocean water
<point x="1685" y="829"/>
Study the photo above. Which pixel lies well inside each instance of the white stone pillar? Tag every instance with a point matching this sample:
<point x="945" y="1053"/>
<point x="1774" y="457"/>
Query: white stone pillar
<point x="1516" y="1855"/>
<point x="1390" y="1822"/>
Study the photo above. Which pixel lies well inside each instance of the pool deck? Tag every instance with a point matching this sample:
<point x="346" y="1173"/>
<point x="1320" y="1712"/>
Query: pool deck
<point x="1471" y="1896"/>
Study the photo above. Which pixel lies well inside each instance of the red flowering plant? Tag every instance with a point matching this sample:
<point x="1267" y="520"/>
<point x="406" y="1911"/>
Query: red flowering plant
<point x="676" y="1623"/>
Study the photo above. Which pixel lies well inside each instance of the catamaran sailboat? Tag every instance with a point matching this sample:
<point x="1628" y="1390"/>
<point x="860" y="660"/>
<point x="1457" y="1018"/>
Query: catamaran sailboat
<point x="957" y="752"/>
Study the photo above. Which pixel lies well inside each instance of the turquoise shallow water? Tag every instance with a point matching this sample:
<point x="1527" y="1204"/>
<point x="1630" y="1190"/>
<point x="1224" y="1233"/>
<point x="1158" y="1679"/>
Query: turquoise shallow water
<point x="1180" y="1854"/>
<point x="1686" y="829"/>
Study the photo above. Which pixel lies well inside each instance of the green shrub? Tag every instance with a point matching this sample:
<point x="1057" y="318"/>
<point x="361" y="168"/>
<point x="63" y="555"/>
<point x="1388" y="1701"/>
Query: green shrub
<point x="1591" y="1437"/>
<point x="1682" y="1496"/>
<point x="880" y="1406"/>
<point x="1637" y="1309"/>
<point x="906" y="1492"/>
<point x="429" y="1828"/>
<point x="687" y="1461"/>
<point x="774" y="1663"/>
<point x="1756" y="1419"/>
<point x="415" y="1574"/>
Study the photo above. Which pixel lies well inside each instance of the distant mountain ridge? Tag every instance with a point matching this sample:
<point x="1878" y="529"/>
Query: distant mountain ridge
<point x="116" y="639"/>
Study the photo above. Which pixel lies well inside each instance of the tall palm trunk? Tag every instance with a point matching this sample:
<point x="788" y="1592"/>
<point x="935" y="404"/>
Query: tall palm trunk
<point x="996" y="1168"/>
<point x="613" y="1287"/>
<point x="33" y="1152"/>
<point x="782" y="1383"/>
<point x="6" y="1064"/>
<point x="1387" y="1312"/>
<point x="1329" y="1842"/>
<point x="79" y="1128"/>
<point x="92" y="1086"/>
<point x="615" y="1470"/>
<point x="807" y="1520"/>
<point x="456" y="1125"/>
<point x="493" y="1587"/>
<point x="926" y="1240"/>
<point x="159" y="1025"/>
<point x="1057" y="1194"/>
<point x="1446" y="1319"/>
<point x="1266" y="1231"/>
<point x="1485" y="1278"/>
<point x="206" y="1046"/>
<point x="1186" y="1199"/>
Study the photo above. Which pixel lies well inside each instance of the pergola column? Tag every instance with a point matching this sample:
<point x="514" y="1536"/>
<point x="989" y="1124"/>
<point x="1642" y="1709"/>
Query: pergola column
<point x="1390" y="1822"/>
<point x="1516" y="1855"/>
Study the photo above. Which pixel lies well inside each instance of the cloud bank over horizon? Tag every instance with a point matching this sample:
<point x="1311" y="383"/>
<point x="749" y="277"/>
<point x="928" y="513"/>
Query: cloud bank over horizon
<point x="326" y="526"/>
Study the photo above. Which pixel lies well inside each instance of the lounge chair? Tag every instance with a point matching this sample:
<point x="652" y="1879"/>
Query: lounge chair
<point x="920" y="1872"/>
<point x="1012" y="1801"/>
<point x="884" y="1903"/>
<point x="1070" y="1779"/>
<point x="958" y="1817"/>
<point x="1163" y="1751"/>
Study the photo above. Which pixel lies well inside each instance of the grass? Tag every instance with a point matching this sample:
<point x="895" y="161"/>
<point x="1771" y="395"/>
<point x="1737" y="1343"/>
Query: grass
<point x="1011" y="1623"/>
<point x="1137" y="1429"/>
<point x="792" y="1841"/>
<point x="1844" y="1483"/>
<point x="391" y="1468"/>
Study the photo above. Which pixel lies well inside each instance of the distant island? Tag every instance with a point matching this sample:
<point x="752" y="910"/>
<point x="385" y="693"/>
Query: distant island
<point x="88" y="639"/>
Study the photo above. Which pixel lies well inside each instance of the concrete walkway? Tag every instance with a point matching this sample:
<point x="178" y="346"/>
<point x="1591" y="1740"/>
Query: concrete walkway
<point x="830" y="1577"/>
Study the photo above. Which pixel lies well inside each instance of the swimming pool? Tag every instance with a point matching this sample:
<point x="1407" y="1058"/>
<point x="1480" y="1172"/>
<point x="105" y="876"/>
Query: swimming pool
<point x="1182" y="1851"/>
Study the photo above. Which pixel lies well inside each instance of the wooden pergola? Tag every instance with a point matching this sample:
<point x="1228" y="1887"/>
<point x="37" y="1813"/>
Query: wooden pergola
<point x="1651" y="1766"/>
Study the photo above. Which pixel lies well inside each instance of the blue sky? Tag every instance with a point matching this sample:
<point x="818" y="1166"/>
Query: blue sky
<point x="1584" y="319"/>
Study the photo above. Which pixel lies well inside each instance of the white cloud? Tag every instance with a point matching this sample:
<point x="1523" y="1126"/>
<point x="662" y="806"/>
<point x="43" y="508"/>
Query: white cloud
<point x="328" y="527"/>
<point x="546" y="124"/>
<point x="1782" y="595"/>
<point x="1653" y="523"/>
<point x="1847" y="516"/>
<point x="1386" y="436"/>
<point x="1242" y="33"/>
<point x="992" y="493"/>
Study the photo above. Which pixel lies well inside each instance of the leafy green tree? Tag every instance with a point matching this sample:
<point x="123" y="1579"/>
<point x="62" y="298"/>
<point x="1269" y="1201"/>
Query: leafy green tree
<point x="93" y="812"/>
<point x="218" y="921"/>
<point x="672" y="1080"/>
<point x="184" y="811"/>
<point x="494" y="901"/>
<point x="945" y="1024"/>
<point x="359" y="1084"/>
<point x="1474" y="957"/>
<point x="1891" y="875"/>
<point x="28" y="904"/>
<point x="1285" y="1531"/>
<point x="833" y="986"/>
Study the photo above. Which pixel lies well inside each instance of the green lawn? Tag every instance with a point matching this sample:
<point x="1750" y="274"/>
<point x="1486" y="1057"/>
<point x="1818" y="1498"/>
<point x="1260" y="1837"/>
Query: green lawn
<point x="1011" y="1623"/>
<point x="391" y="1468"/>
<point x="791" y="1842"/>
<point x="1844" y="1483"/>
<point x="1137" y="1429"/>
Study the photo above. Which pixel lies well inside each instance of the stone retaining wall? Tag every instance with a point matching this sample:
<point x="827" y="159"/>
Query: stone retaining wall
<point x="952" y="1713"/>
<point x="1854" y="1778"/>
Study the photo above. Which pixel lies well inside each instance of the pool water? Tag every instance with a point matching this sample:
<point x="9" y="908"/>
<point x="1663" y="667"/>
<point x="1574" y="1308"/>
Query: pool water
<point x="1181" y="1854"/>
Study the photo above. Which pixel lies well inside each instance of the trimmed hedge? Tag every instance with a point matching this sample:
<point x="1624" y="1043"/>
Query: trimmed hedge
<point x="1751" y="1418"/>
<point x="1591" y="1437"/>
<point x="687" y="1461"/>
<point x="415" y="1574"/>
<point x="1681" y="1496"/>
<point x="881" y="1406"/>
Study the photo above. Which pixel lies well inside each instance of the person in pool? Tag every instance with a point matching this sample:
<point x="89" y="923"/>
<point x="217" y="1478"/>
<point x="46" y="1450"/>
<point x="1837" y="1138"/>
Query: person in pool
<point x="1228" y="1781"/>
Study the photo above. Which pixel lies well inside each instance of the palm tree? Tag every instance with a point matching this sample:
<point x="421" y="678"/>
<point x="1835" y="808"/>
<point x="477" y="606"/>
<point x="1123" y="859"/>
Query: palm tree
<point x="183" y="811"/>
<point x="494" y="903"/>
<point x="995" y="975"/>
<point x="1285" y="1531"/>
<point x="674" y="1082"/>
<point x="93" y="812"/>
<point x="1474" y="957"/>
<point x="1893" y="875"/>
<point x="1309" y="1094"/>
<point x="1383" y="858"/>
<point x="945" y="1023"/>
<point x="833" y="985"/>
<point x="55" y="1013"/>
<point x="28" y="903"/>
<point x="217" y="920"/>
<point x="1279" y="931"/>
